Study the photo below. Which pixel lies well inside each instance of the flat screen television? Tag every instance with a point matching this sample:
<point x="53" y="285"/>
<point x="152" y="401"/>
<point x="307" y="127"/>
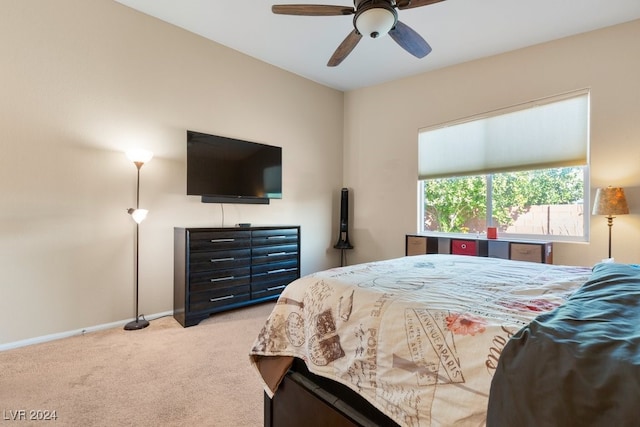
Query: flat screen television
<point x="227" y="170"/>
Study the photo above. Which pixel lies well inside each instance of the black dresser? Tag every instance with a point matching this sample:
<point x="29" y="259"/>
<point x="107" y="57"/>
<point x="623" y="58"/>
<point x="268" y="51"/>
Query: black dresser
<point x="217" y="269"/>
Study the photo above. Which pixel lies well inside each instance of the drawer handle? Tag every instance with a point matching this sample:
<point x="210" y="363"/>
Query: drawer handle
<point x="220" y="279"/>
<point x="463" y="246"/>
<point x="281" y="270"/>
<point x="276" y="237"/>
<point x="221" y="298"/>
<point x="277" y="253"/>
<point x="221" y="259"/>
<point x="276" y="287"/>
<point x="222" y="240"/>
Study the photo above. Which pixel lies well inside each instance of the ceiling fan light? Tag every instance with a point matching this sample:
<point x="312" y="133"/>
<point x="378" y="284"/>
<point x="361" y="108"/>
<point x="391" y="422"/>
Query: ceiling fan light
<point x="375" y="22"/>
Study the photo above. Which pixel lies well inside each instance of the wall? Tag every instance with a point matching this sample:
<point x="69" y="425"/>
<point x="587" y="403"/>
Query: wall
<point x="84" y="81"/>
<point x="382" y="122"/>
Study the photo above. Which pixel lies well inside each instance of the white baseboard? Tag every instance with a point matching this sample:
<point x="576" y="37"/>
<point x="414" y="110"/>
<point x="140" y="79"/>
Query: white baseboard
<point x="45" y="338"/>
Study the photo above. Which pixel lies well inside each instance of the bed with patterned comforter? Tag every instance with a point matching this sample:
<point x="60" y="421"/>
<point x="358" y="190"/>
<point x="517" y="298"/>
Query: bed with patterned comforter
<point x="418" y="337"/>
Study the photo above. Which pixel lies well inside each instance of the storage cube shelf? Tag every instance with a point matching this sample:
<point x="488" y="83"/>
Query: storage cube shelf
<point x="521" y="250"/>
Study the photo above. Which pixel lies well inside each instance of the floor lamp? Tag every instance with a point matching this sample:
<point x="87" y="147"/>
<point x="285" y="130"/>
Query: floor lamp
<point x="610" y="201"/>
<point x="139" y="158"/>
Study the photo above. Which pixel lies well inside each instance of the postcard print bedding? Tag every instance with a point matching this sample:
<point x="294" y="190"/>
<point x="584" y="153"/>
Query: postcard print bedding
<point x="419" y="337"/>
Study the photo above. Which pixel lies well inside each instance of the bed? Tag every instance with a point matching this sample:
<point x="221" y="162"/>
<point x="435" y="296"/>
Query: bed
<point x="413" y="341"/>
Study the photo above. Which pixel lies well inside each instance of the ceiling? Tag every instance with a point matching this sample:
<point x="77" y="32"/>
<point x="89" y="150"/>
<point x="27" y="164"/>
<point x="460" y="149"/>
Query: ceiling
<point x="457" y="30"/>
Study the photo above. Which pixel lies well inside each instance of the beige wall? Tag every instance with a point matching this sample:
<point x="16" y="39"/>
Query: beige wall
<point x="83" y="81"/>
<point x="382" y="122"/>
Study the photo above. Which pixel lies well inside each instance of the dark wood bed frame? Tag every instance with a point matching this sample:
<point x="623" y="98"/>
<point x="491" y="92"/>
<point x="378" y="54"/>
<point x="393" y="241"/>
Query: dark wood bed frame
<point x="305" y="399"/>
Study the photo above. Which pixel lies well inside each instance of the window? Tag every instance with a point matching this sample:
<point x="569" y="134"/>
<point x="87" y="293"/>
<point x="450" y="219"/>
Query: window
<point x="523" y="170"/>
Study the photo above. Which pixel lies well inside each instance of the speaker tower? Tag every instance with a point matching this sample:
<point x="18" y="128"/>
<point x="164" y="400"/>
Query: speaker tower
<point x="343" y="234"/>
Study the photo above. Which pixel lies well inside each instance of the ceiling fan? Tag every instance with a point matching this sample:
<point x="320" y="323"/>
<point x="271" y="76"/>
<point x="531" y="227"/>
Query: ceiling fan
<point x="373" y="18"/>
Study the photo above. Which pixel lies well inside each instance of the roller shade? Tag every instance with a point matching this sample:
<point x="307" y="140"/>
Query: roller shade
<point x="548" y="133"/>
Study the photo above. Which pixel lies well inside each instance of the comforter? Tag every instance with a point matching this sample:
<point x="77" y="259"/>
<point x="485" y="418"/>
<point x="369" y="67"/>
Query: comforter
<point x="419" y="337"/>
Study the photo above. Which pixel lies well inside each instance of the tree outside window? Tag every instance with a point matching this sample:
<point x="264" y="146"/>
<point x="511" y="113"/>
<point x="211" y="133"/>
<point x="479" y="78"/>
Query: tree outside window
<point x="545" y="202"/>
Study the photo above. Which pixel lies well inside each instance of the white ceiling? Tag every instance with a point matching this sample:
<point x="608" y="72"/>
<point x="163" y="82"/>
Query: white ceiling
<point x="457" y="30"/>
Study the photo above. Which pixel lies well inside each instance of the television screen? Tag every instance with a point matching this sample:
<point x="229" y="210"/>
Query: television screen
<point x="221" y="167"/>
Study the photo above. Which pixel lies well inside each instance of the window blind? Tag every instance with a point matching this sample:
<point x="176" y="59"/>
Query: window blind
<point x="548" y="133"/>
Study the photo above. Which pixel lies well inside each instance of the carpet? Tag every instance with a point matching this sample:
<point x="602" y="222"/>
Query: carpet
<point x="164" y="375"/>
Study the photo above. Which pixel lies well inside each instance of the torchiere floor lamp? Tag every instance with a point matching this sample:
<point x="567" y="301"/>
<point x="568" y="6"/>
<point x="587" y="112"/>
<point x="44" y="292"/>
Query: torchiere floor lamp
<point x="139" y="158"/>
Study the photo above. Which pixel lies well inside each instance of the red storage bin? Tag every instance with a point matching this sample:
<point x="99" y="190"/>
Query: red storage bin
<point x="463" y="247"/>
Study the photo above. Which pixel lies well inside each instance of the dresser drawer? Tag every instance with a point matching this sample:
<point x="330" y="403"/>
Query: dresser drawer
<point x="274" y="237"/>
<point x="217" y="260"/>
<point x="219" y="240"/>
<point x="268" y="254"/>
<point x="217" y="278"/>
<point x="274" y="267"/>
<point x="464" y="247"/>
<point x="527" y="252"/>
<point x="272" y="284"/>
<point x="218" y="297"/>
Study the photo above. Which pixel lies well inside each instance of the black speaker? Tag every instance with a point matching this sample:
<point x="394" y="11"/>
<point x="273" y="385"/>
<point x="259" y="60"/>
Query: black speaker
<point x="343" y="234"/>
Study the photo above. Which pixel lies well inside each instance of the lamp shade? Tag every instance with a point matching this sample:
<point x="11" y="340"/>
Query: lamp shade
<point x="139" y="156"/>
<point x="138" y="215"/>
<point x="610" y="201"/>
<point x="375" y="22"/>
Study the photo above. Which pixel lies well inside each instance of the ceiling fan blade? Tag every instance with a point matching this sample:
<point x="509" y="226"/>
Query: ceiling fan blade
<point x="408" y="4"/>
<point x="311" y="9"/>
<point x="409" y="40"/>
<point x="345" y="48"/>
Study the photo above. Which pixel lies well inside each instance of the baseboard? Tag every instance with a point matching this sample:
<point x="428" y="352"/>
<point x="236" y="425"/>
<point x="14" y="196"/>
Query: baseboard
<point x="67" y="334"/>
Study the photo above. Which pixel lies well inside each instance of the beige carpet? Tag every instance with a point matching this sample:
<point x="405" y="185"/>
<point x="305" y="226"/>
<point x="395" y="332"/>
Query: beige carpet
<point x="164" y="375"/>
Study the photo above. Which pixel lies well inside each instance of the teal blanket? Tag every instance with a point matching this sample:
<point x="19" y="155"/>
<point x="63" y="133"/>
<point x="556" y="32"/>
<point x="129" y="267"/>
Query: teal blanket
<point x="578" y="365"/>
